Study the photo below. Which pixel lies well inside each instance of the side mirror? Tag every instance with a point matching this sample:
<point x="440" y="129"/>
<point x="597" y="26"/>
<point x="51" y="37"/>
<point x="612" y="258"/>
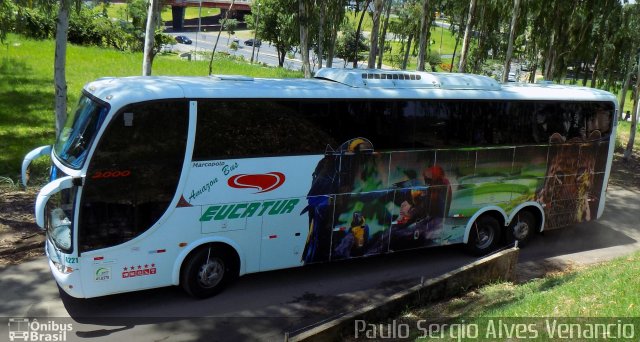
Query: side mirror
<point x="46" y="192"/>
<point x="26" y="162"/>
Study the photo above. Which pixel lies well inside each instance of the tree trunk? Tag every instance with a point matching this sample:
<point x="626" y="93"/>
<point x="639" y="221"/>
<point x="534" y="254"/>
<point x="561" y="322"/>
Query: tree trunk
<point x="549" y="60"/>
<point x="532" y="74"/>
<point x="512" y="34"/>
<point x="424" y="35"/>
<point x="149" y="37"/>
<point x="303" y="13"/>
<point x="331" y="52"/>
<point x="281" y="55"/>
<point x="373" y="50"/>
<point x="255" y="35"/>
<point x="467" y="37"/>
<point x="453" y="57"/>
<point x="224" y="21"/>
<point x="625" y="86"/>
<point x="357" y="42"/>
<point x="323" y="13"/>
<point x="634" y="118"/>
<point x="586" y="74"/>
<point x="406" y="52"/>
<point x="336" y="16"/>
<point x="59" y="65"/>
<point x="383" y="37"/>
<point x="594" y="75"/>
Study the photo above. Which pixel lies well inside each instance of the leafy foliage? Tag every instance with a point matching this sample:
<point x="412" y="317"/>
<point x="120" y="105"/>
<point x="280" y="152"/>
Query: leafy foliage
<point x="347" y="44"/>
<point x="278" y="24"/>
<point x="87" y="26"/>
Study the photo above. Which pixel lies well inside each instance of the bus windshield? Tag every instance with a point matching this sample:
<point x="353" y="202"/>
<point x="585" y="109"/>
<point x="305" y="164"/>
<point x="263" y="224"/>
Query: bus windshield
<point x="79" y="132"/>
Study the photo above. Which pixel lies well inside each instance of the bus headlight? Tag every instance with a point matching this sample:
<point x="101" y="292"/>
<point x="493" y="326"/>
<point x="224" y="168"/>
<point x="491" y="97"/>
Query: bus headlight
<point x="62" y="268"/>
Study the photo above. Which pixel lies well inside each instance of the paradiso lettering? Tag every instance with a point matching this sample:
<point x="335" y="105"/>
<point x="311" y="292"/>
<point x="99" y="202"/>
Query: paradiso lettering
<point x="243" y="210"/>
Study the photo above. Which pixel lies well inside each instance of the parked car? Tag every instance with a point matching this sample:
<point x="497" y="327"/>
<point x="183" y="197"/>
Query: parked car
<point x="249" y="42"/>
<point x="183" y="39"/>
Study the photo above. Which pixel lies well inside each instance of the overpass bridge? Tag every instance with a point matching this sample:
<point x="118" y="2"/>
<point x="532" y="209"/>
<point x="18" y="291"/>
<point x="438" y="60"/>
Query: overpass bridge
<point x="240" y="8"/>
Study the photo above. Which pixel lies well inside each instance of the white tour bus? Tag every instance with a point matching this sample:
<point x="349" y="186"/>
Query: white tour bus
<point x="193" y="181"/>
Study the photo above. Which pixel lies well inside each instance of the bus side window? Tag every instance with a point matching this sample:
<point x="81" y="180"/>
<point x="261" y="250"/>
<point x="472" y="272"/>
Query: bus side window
<point x="251" y="128"/>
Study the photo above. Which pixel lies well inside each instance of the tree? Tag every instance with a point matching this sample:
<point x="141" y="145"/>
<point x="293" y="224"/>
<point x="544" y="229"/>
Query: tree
<point x="7" y="20"/>
<point x="149" y="37"/>
<point x="304" y="15"/>
<point x="406" y="28"/>
<point x="322" y="6"/>
<point x="383" y="36"/>
<point x="457" y="11"/>
<point x="632" y="28"/>
<point x="230" y="26"/>
<point x="335" y="18"/>
<point x="425" y="34"/>
<point x="358" y="32"/>
<point x="634" y="118"/>
<point x="215" y="45"/>
<point x="467" y="36"/>
<point x="253" y="23"/>
<point x="373" y="49"/>
<point x="59" y="64"/>
<point x="512" y="33"/>
<point x="137" y="12"/>
<point x="279" y="25"/>
<point x="348" y="43"/>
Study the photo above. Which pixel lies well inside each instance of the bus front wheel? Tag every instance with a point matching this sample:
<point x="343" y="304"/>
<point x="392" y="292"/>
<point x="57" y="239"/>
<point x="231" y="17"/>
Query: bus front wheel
<point x="484" y="235"/>
<point x="206" y="272"/>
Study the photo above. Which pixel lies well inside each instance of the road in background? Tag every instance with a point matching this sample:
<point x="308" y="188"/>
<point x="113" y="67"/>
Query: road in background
<point x="266" y="54"/>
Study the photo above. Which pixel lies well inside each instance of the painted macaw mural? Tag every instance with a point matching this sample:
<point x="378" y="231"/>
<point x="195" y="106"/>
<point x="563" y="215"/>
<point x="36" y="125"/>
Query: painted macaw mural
<point x="363" y="202"/>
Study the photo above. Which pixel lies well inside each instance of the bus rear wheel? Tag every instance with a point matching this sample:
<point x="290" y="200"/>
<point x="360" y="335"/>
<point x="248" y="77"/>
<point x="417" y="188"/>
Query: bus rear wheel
<point x="206" y="273"/>
<point x="484" y="235"/>
<point x="522" y="227"/>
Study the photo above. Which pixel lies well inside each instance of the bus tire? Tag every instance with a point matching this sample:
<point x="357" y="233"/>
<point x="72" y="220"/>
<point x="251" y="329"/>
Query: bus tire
<point x="522" y="228"/>
<point x="484" y="236"/>
<point x="206" y="272"/>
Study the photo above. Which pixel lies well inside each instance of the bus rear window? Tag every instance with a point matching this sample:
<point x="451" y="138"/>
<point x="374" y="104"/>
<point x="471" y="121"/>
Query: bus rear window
<point x="79" y="132"/>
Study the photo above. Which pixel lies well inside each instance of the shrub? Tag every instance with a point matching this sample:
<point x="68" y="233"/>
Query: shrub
<point x="34" y="24"/>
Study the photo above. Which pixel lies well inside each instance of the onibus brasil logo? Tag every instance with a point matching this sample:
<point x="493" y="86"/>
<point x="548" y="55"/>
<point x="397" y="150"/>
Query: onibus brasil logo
<point x="24" y="329"/>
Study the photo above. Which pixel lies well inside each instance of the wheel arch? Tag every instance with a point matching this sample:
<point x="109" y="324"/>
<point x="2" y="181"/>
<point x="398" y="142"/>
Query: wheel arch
<point x="535" y="208"/>
<point x="220" y="242"/>
<point x="493" y="210"/>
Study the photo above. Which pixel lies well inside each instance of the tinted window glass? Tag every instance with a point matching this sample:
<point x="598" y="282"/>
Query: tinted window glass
<point x="134" y="173"/>
<point x="241" y="129"/>
<point x="263" y="127"/>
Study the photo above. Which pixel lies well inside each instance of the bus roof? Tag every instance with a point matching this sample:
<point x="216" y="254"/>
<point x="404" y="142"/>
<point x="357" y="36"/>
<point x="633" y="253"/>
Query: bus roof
<point x="336" y="84"/>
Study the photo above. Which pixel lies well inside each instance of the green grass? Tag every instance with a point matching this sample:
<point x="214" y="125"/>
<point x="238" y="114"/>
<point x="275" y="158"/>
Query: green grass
<point x="27" y="93"/>
<point x="190" y="12"/>
<point x="443" y="44"/>
<point x="607" y="290"/>
<point x="353" y="18"/>
<point x="622" y="135"/>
